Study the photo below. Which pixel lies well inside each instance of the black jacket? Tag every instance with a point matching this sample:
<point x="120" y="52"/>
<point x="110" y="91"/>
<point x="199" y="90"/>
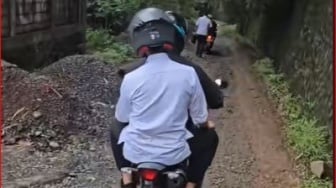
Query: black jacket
<point x="212" y="92"/>
<point x="213" y="29"/>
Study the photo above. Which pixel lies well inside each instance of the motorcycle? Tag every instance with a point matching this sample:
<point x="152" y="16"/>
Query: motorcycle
<point x="154" y="175"/>
<point x="209" y="43"/>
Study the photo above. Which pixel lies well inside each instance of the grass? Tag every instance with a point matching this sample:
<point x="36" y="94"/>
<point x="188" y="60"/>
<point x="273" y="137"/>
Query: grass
<point x="316" y="183"/>
<point x="308" y="139"/>
<point x="230" y="31"/>
<point x="104" y="45"/>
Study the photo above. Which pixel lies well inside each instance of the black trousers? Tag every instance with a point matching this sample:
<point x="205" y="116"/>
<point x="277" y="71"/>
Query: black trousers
<point x="201" y="42"/>
<point x="203" y="147"/>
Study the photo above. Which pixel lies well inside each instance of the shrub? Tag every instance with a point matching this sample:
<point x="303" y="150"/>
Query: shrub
<point x="102" y="44"/>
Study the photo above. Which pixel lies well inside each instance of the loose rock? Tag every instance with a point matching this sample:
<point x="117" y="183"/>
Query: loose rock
<point x="38" y="133"/>
<point x="54" y="144"/>
<point x="37" y="114"/>
<point x="321" y="169"/>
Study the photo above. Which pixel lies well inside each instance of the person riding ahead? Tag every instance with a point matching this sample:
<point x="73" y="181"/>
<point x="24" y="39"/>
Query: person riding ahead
<point x="157" y="98"/>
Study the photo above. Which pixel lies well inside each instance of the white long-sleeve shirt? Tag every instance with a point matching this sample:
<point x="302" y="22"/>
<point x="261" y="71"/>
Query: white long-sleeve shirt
<point x="156" y="99"/>
<point x="203" y="24"/>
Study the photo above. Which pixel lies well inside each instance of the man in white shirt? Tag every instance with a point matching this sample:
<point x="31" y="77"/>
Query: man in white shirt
<point x="203" y="24"/>
<point x="156" y="105"/>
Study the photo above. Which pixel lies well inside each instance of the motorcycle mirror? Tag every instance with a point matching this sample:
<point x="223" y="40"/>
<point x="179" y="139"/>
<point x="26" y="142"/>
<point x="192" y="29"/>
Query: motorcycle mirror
<point x="222" y="84"/>
<point x="218" y="82"/>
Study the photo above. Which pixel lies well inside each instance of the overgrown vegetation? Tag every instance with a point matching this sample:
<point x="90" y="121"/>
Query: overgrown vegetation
<point x="114" y="15"/>
<point x="230" y="31"/>
<point x="240" y="11"/>
<point x="305" y="136"/>
<point x="104" y="45"/>
<point x="107" y="18"/>
<point x="315" y="183"/>
<point x="111" y="15"/>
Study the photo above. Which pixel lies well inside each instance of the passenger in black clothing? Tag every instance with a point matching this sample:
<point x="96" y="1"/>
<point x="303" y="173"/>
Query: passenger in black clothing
<point x="213" y="29"/>
<point x="205" y="141"/>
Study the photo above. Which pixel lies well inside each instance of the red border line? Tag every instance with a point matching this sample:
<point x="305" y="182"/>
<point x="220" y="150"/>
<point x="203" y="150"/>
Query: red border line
<point x="334" y="85"/>
<point x="1" y="96"/>
<point x="1" y="93"/>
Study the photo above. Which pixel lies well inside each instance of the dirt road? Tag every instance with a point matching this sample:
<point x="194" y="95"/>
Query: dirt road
<point x="251" y="152"/>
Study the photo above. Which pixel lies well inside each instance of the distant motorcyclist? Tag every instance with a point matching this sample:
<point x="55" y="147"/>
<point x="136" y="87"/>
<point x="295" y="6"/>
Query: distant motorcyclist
<point x="204" y="143"/>
<point x="203" y="24"/>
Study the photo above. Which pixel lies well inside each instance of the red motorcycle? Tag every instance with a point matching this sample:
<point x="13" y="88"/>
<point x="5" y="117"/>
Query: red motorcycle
<point x="209" y="43"/>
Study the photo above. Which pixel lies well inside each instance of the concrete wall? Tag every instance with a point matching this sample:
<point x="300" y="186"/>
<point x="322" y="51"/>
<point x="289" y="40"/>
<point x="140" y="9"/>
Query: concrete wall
<point x="38" y="32"/>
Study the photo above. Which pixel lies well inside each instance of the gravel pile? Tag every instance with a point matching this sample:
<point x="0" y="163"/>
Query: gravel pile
<point x="56" y="119"/>
<point x="75" y="95"/>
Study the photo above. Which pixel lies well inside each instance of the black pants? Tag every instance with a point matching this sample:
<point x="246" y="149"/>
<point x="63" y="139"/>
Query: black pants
<point x="201" y="42"/>
<point x="203" y="147"/>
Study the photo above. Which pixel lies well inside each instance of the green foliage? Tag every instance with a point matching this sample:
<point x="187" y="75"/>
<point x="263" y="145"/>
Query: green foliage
<point x="98" y="39"/>
<point x="114" y="15"/>
<point x="111" y="14"/>
<point x="241" y="11"/>
<point x="102" y="44"/>
<point x="247" y="5"/>
<point x="228" y="30"/>
<point x="316" y="183"/>
<point x="304" y="134"/>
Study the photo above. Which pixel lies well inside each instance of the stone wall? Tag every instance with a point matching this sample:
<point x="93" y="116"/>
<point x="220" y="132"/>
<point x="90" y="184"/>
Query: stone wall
<point x="41" y="49"/>
<point x="38" y="32"/>
<point x="298" y="35"/>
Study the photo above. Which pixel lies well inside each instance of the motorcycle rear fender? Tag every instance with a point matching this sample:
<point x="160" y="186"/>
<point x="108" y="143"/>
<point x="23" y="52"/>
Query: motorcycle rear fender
<point x="154" y="166"/>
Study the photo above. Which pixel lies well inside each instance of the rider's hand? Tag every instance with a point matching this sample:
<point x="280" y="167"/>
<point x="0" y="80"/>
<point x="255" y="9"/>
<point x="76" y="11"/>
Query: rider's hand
<point x="210" y="125"/>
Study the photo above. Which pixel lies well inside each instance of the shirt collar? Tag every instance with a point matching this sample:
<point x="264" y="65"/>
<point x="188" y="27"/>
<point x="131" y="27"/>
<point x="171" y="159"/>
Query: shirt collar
<point x="158" y="56"/>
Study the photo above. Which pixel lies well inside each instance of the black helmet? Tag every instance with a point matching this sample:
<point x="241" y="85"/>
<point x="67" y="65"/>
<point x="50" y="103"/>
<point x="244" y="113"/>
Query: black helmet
<point x="152" y="28"/>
